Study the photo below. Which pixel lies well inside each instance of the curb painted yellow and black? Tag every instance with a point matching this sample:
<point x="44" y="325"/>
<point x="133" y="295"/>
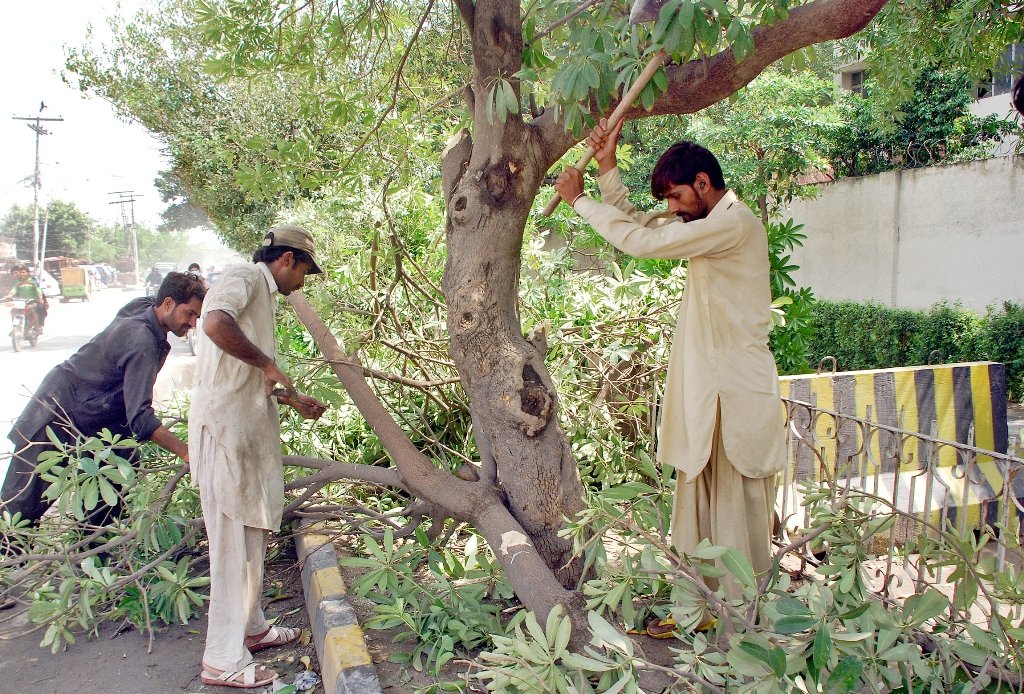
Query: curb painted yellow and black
<point x="345" y="664"/>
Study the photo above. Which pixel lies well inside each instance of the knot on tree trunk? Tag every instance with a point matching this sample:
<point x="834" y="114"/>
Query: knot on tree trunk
<point x="535" y="400"/>
<point x="498" y="182"/>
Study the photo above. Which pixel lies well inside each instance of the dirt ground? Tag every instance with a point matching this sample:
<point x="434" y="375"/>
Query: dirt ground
<point x="121" y="660"/>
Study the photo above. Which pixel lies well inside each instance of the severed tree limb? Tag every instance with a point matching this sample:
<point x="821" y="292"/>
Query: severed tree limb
<point x="337" y="470"/>
<point x="474" y="502"/>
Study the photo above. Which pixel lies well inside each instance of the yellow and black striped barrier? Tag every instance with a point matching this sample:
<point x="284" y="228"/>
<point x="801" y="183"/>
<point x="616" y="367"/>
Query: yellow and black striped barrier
<point x="960" y="403"/>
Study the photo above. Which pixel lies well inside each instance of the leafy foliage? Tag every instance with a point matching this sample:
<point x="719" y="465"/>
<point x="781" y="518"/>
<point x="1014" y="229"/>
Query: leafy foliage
<point x="446" y="603"/>
<point x="110" y="552"/>
<point x="872" y="336"/>
<point x="933" y="126"/>
<point x="74" y="234"/>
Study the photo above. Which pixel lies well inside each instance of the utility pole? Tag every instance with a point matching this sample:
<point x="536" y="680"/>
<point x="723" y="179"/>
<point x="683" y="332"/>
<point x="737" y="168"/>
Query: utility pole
<point x="128" y="197"/>
<point x="36" y="126"/>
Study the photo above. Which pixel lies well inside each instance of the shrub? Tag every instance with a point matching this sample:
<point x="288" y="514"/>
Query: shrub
<point x="872" y="336"/>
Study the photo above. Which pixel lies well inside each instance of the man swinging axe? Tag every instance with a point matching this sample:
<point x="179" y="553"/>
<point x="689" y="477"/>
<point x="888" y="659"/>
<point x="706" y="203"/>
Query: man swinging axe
<point x="722" y="424"/>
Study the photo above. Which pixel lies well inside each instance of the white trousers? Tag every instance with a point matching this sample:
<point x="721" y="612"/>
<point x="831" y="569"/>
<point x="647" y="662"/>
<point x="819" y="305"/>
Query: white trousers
<point x="237" y="553"/>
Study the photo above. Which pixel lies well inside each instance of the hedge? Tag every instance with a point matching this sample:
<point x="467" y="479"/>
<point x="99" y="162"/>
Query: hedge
<point x="872" y="336"/>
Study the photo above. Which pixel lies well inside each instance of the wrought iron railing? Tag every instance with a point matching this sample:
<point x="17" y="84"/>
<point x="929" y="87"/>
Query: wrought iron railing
<point x="935" y="484"/>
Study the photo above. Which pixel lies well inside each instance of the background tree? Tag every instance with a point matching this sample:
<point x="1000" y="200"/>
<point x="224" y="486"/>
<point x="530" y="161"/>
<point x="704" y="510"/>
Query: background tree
<point x="932" y="126"/>
<point x="67" y="229"/>
<point x="181" y="214"/>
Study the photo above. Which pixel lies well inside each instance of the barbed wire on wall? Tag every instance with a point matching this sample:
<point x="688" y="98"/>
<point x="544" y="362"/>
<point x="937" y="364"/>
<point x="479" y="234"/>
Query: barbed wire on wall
<point x="933" y="152"/>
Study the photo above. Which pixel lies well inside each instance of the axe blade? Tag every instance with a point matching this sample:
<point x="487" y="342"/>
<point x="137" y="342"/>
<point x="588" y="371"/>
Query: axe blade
<point x="645" y="11"/>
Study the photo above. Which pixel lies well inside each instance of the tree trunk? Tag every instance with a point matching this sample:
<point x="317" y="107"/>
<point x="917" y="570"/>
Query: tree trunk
<point x="490" y="182"/>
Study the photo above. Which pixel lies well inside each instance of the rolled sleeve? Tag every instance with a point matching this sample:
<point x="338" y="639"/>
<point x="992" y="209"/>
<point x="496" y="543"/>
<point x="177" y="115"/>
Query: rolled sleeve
<point x="651" y="235"/>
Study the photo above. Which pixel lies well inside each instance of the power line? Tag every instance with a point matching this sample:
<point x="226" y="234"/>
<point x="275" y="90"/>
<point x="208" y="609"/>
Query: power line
<point x="36" y="126"/>
<point x="128" y="197"/>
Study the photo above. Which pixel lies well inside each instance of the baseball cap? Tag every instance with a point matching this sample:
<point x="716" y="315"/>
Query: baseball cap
<point x="294" y="237"/>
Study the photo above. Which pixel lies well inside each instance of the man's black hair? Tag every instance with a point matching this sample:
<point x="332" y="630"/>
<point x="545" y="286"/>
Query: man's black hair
<point x="194" y="265"/>
<point x="182" y="287"/>
<point x="19" y="268"/>
<point x="680" y="164"/>
<point x="268" y="254"/>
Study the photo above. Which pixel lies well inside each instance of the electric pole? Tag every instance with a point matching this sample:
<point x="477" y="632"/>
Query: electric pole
<point x="36" y="126"/>
<point x="128" y="197"/>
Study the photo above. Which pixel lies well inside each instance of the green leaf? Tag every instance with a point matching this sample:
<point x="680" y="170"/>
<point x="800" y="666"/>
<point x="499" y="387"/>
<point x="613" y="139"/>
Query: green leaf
<point x="845" y="677"/>
<point x="108" y="492"/>
<point x="794" y="624"/>
<point x="90" y="494"/>
<point x="822" y="650"/>
<point x="792" y="607"/>
<point x="969" y="653"/>
<point x="606" y="633"/>
<point x="924" y="606"/>
<point x="533" y="626"/>
<point x="739" y="566"/>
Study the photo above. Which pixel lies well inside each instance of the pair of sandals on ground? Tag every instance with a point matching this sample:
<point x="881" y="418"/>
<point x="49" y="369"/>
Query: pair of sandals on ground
<point x="667" y="629"/>
<point x="253" y="674"/>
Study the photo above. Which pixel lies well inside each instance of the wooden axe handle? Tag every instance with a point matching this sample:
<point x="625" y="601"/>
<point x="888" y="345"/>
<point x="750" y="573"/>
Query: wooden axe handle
<point x="613" y="120"/>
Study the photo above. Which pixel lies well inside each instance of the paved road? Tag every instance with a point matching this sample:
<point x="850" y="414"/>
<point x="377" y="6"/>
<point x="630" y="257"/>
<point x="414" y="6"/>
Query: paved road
<point x="68" y="327"/>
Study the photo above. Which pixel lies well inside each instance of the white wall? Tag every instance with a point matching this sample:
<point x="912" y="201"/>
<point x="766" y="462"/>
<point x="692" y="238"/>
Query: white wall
<point x="912" y="238"/>
<point x="1001" y="106"/>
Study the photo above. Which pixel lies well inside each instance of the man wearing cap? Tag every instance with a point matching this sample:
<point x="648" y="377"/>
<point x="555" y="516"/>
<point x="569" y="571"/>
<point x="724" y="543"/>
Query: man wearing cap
<point x="235" y="448"/>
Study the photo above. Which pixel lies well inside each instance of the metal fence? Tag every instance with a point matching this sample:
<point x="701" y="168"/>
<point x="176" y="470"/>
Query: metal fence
<point x="934" y="483"/>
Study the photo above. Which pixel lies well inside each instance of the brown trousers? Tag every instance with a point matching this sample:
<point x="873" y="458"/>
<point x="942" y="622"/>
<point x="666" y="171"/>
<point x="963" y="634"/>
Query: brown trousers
<point x="726" y="508"/>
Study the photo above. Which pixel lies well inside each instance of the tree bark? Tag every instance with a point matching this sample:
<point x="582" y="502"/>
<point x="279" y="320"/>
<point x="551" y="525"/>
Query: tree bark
<point x="491" y="178"/>
<point x="475" y="502"/>
<point x="490" y="182"/>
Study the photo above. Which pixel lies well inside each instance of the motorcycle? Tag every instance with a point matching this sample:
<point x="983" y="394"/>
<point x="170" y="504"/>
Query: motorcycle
<point x="24" y="328"/>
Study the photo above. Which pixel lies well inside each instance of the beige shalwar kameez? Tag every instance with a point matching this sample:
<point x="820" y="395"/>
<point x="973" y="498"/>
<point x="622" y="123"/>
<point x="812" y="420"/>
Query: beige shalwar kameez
<point x="721" y="421"/>
<point x="235" y="454"/>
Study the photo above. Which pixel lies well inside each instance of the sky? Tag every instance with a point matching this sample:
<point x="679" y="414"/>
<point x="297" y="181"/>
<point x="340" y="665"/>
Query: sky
<point x="91" y="152"/>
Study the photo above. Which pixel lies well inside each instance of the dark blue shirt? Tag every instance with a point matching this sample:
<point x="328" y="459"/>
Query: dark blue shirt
<point x="107" y="383"/>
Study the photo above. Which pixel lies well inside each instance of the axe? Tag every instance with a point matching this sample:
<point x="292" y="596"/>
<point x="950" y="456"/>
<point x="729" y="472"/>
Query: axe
<point x="641" y="12"/>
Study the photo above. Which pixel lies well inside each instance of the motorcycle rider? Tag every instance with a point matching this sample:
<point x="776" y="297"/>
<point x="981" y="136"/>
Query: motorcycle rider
<point x="26" y="288"/>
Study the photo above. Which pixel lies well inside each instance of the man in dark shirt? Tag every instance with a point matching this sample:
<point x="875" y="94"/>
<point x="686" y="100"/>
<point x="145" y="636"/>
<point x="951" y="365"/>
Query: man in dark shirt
<point x="108" y="384"/>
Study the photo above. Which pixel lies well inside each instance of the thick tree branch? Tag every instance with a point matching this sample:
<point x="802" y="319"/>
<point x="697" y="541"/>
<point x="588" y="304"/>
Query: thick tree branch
<point x="698" y="84"/>
<point x="477" y="502"/>
<point x="337" y="470"/>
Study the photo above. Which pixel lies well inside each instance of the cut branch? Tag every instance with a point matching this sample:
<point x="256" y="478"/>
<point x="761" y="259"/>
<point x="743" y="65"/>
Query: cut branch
<point x="475" y="502"/>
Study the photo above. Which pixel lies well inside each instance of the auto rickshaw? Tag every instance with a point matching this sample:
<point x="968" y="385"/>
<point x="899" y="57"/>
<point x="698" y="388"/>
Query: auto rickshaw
<point x="74" y="284"/>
